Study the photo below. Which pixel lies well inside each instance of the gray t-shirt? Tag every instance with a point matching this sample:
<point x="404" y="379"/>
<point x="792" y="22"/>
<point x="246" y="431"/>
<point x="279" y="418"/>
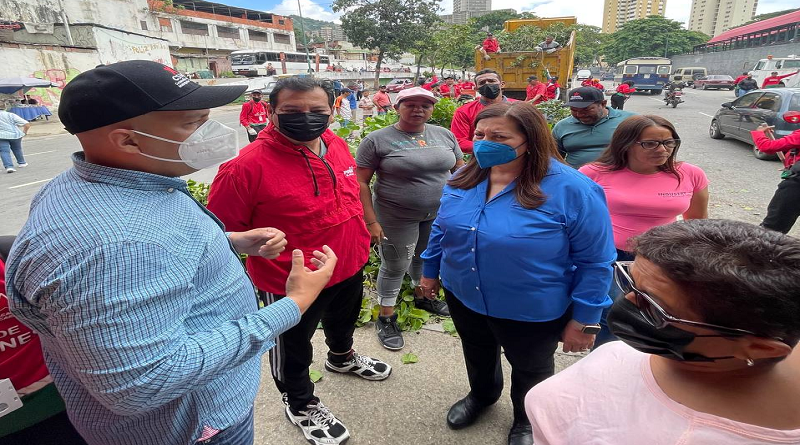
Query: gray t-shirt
<point x="412" y="169"/>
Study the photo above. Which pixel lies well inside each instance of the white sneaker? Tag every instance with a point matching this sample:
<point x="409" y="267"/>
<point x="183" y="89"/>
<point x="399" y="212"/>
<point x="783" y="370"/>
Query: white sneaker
<point x="10" y="170"/>
<point x="23" y="165"/>
<point x="319" y="425"/>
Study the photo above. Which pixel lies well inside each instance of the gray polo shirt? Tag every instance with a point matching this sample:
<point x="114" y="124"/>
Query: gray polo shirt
<point x="412" y="168"/>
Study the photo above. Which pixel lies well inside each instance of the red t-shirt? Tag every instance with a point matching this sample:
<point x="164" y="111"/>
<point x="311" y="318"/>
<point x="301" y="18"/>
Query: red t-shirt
<point x="463" y="124"/>
<point x="21" y="357"/>
<point x="552" y="88"/>
<point x="491" y="45"/>
<point x="532" y="91"/>
<point x="253" y="113"/>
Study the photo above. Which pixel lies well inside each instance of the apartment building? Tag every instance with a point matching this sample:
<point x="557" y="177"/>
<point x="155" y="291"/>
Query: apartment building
<point x="618" y="12"/>
<point x="713" y="17"/>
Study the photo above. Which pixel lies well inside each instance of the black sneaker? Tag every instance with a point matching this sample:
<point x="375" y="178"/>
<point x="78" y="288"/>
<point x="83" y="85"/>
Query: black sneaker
<point x="435" y="306"/>
<point x="318" y="424"/>
<point x="362" y="366"/>
<point x="389" y="333"/>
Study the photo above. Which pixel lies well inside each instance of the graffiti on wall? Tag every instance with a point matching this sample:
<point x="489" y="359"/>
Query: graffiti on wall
<point x="52" y="96"/>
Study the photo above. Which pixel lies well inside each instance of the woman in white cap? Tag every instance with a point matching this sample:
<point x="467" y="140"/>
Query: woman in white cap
<point x="413" y="160"/>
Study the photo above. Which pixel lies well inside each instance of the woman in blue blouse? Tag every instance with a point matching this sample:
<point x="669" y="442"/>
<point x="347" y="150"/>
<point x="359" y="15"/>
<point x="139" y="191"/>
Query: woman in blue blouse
<point x="523" y="247"/>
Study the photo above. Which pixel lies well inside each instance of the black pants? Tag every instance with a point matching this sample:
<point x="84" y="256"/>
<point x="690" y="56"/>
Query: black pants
<point x="617" y="101"/>
<point x="784" y="208"/>
<point x="337" y="307"/>
<point x="528" y="347"/>
<point x="55" y="430"/>
<point x="257" y="128"/>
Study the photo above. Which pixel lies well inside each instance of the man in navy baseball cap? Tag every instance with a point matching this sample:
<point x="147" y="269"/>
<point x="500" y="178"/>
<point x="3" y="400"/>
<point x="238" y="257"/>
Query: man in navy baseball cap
<point x="149" y="321"/>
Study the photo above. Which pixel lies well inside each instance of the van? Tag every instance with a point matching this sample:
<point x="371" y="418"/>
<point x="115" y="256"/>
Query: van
<point x="583" y="75"/>
<point x="689" y="74"/>
<point x="783" y="65"/>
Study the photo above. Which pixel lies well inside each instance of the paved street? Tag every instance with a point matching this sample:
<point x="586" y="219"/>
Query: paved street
<point x="410" y="406"/>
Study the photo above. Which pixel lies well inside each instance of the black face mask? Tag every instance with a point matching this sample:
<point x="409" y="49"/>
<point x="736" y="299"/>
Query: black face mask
<point x="490" y="90"/>
<point x="256" y="99"/>
<point x="626" y="322"/>
<point x="303" y="127"/>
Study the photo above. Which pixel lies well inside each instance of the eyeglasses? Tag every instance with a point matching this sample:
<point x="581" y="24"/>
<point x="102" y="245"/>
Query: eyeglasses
<point x="656" y="315"/>
<point x="667" y="143"/>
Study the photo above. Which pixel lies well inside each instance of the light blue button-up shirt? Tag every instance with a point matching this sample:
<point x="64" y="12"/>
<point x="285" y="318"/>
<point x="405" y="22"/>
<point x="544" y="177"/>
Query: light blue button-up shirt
<point x="503" y="260"/>
<point x="148" y="322"/>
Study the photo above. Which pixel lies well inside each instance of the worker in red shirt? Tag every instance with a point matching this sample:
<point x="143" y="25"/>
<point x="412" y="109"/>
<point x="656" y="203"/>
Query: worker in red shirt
<point x="624" y="90"/>
<point x="594" y="83"/>
<point x="775" y="79"/>
<point x="784" y="208"/>
<point x="449" y="88"/>
<point x="490" y="87"/>
<point x="253" y="116"/>
<point x="429" y="85"/>
<point x="739" y="79"/>
<point x="536" y="91"/>
<point x="299" y="177"/>
<point x="489" y="45"/>
<point x="553" y="88"/>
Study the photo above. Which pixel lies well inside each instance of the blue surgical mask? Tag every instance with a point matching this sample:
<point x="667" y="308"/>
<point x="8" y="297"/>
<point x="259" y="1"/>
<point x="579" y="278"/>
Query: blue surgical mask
<point x="490" y="153"/>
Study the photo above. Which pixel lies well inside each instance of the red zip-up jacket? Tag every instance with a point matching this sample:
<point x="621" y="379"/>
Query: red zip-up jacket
<point x="463" y="124"/>
<point x="315" y="201"/>
<point x="785" y="144"/>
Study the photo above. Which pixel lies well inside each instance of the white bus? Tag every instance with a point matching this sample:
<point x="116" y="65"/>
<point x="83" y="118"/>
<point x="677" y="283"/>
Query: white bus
<point x="253" y="63"/>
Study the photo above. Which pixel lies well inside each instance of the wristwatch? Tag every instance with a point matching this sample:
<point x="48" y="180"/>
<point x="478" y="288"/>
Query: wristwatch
<point x="591" y="329"/>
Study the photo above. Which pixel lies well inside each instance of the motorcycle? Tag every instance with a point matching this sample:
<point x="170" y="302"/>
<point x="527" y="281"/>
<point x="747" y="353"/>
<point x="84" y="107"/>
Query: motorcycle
<point x="674" y="95"/>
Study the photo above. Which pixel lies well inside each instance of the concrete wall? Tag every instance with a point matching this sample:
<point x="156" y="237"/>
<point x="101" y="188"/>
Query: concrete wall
<point x="734" y="62"/>
<point x="57" y="64"/>
<point x="124" y="14"/>
<point x="116" y="46"/>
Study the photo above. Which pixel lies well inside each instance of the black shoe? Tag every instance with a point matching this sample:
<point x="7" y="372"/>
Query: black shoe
<point x="389" y="333"/>
<point x="435" y="306"/>
<point x="520" y="434"/>
<point x="464" y="413"/>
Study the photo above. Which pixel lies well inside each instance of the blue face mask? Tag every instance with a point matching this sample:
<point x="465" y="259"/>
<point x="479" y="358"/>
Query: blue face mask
<point x="489" y="153"/>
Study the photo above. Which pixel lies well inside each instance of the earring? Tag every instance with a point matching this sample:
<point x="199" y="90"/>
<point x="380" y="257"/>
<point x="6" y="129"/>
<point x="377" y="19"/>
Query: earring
<point x="750" y="362"/>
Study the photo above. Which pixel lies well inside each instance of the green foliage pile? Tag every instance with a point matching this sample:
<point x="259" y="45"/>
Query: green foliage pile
<point x="553" y="110"/>
<point x="526" y="38"/>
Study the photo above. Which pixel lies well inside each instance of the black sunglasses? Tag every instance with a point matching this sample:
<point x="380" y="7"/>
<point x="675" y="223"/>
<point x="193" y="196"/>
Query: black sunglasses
<point x="656" y="315"/>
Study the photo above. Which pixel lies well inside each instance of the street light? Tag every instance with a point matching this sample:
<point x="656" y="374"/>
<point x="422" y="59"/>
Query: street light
<point x="305" y="39"/>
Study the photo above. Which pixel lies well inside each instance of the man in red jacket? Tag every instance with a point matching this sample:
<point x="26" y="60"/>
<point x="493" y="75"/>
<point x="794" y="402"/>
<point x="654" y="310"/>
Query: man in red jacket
<point x="553" y="89"/>
<point x="253" y="116"/>
<point x="490" y="87"/>
<point x="775" y="79"/>
<point x="784" y="208"/>
<point x="300" y="177"/>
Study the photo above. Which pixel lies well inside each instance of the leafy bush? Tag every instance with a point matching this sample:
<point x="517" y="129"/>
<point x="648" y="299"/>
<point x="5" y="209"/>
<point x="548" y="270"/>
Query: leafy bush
<point x="526" y="38"/>
<point x="443" y="112"/>
<point x="553" y="110"/>
<point x="228" y="74"/>
<point x="198" y="190"/>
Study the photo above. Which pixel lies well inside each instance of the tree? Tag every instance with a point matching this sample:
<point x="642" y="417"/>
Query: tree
<point x="455" y="45"/>
<point x="650" y="37"/>
<point x="493" y="21"/>
<point x="588" y="44"/>
<point x="390" y="27"/>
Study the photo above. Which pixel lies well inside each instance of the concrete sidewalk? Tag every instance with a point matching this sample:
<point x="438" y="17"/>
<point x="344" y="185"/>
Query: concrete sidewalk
<point x="409" y="407"/>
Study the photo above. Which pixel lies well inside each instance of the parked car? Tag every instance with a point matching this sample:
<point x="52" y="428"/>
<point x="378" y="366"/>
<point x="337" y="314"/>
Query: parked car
<point x="607" y="76"/>
<point x="779" y="107"/>
<point x="718" y="81"/>
<point x="396" y="85"/>
<point x="688" y="74"/>
<point x="583" y="75"/>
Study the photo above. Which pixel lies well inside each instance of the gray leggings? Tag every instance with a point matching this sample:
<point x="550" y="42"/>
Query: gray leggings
<point x="407" y="232"/>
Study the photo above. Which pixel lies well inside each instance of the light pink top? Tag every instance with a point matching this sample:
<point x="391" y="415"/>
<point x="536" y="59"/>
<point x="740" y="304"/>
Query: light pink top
<point x="638" y="202"/>
<point x="611" y="397"/>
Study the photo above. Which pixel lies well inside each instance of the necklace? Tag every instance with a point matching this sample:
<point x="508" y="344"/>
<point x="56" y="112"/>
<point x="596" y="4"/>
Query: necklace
<point x="419" y="138"/>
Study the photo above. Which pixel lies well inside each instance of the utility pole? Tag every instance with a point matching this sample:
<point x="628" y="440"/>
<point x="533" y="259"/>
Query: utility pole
<point x="305" y="39"/>
<point x="666" y="43"/>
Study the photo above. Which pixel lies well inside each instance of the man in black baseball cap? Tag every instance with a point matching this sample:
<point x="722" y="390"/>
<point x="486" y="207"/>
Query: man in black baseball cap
<point x="583" y="136"/>
<point x="149" y="321"/>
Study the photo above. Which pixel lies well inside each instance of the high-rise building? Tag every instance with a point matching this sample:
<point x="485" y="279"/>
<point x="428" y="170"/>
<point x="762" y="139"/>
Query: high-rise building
<point x="617" y="12"/>
<point x="713" y="17"/>
<point x="471" y="5"/>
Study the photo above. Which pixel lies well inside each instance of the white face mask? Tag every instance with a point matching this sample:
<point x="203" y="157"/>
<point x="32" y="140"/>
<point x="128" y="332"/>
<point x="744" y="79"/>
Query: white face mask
<point x="211" y="144"/>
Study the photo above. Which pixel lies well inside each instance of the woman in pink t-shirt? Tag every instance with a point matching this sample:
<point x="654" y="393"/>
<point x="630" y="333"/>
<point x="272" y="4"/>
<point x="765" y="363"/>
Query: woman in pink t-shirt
<point x="645" y="186"/>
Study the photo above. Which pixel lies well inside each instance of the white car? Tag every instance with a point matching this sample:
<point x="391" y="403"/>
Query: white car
<point x="783" y="65"/>
<point x="583" y="75"/>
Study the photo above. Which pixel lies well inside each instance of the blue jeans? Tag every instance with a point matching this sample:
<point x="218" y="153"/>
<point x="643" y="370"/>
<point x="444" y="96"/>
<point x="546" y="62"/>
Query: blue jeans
<point x="605" y="335"/>
<point x="239" y="434"/>
<point x="11" y="145"/>
<point x="743" y="92"/>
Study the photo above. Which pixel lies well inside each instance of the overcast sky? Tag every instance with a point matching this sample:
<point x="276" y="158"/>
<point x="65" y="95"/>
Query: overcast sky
<point x="588" y="11"/>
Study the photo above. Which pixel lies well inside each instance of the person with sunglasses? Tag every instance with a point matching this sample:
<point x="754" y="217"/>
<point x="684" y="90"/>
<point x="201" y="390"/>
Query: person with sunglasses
<point x="645" y="185"/>
<point x="709" y="325"/>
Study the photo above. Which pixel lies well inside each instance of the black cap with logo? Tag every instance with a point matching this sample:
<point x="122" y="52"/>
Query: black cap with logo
<point x="583" y="97"/>
<point x="113" y="93"/>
